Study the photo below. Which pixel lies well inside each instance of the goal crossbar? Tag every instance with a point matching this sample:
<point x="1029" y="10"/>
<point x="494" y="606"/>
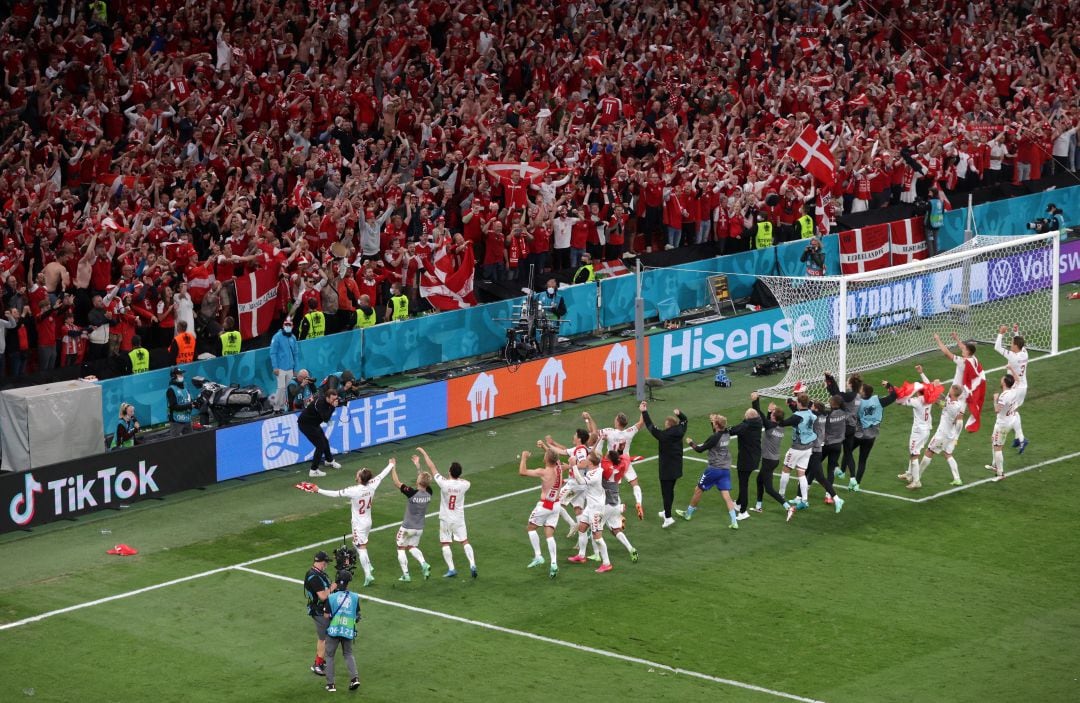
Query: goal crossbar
<point x="940" y="260"/>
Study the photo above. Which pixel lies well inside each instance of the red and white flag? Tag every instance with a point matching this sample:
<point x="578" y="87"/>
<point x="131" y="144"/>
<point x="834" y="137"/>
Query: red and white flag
<point x="594" y="63"/>
<point x="860" y="102"/>
<point x="814" y="155"/>
<point x="256" y="302"/>
<point x="808" y="45"/>
<point x="865" y="249"/>
<point x="907" y="241"/>
<point x="615" y="267"/>
<point x="975" y="383"/>
<point x="445" y="287"/>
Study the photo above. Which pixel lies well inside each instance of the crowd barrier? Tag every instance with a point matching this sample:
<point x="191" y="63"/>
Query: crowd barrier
<point x="119" y="478"/>
<point x="390" y="349"/>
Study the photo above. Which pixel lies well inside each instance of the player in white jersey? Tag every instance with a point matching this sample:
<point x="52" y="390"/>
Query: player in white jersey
<point x="361" y="496"/>
<point x="1016" y="356"/>
<point x="546" y="513"/>
<point x="591" y="518"/>
<point x="451" y="512"/>
<point x="1006" y="403"/>
<point x="573" y="493"/>
<point x="921" y="401"/>
<point x="618" y="438"/>
<point x="950" y="425"/>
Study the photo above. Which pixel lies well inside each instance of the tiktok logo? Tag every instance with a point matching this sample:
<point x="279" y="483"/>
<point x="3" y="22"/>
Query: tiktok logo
<point x="21" y="509"/>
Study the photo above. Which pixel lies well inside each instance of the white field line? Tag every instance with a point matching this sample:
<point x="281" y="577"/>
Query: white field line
<point x="1015" y="472"/>
<point x="211" y="572"/>
<point x="552" y="640"/>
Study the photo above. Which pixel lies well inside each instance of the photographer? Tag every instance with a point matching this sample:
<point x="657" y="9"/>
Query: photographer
<point x="344" y="612"/>
<point x="301" y="390"/>
<point x="126" y="428"/>
<point x="310" y="423"/>
<point x="814" y="258"/>
<point x="1054" y="221"/>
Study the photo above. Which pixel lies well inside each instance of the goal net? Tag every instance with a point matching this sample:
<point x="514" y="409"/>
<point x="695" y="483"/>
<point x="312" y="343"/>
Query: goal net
<point x="855" y="323"/>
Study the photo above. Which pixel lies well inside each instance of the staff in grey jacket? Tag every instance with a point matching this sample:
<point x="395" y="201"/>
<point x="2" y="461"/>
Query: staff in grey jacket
<point x="718" y="471"/>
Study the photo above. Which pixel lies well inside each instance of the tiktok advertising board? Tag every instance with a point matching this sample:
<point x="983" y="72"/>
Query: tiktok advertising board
<point x="111" y="480"/>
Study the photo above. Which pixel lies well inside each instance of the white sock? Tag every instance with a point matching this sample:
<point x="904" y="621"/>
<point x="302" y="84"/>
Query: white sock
<point x="954" y="468"/>
<point x="365" y="562"/>
<point x="784" y="478"/>
<point x="417" y="554"/>
<point x="448" y="556"/>
<point x="567" y="517"/>
<point x="535" y="540"/>
<point x="913" y="468"/>
<point x="551" y="549"/>
<point x="624" y="541"/>
<point x="403" y="560"/>
<point x="471" y="555"/>
<point x="758" y="505"/>
<point x="923" y="463"/>
<point x="1019" y="430"/>
<point x="602" y="546"/>
<point x="637" y="491"/>
<point x="999" y="460"/>
<point x="804" y="488"/>
<point x="582" y="541"/>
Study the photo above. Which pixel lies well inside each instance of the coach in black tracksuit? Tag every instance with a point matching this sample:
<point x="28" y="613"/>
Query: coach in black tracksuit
<point x="670" y="455"/>
<point x="749" y="434"/>
<point x="310" y="424"/>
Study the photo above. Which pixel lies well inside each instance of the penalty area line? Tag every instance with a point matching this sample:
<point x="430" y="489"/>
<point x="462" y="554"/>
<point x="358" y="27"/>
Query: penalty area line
<point x="552" y="640"/>
<point x="1014" y="472"/>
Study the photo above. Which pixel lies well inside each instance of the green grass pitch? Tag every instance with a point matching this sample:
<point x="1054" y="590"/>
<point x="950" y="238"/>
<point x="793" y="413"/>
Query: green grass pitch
<point x="967" y="596"/>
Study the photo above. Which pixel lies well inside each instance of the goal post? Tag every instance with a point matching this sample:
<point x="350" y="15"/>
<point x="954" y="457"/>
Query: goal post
<point x="860" y="322"/>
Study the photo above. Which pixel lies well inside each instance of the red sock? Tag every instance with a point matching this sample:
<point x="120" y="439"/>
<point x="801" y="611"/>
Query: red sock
<point x="319" y="661"/>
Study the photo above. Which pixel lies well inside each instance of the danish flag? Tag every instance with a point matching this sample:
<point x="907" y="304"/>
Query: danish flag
<point x="814" y="155"/>
<point x="445" y="287"/>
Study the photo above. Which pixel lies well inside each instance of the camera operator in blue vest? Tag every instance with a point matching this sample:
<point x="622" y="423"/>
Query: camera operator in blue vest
<point x="180" y="404"/>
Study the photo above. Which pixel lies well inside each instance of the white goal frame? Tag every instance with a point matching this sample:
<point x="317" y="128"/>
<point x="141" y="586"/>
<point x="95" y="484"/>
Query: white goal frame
<point x="931" y="264"/>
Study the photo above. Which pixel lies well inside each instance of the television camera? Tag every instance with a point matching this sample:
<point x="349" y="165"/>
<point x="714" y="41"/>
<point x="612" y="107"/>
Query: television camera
<point x="532" y="332"/>
<point x="346" y="556"/>
<point x="226" y="404"/>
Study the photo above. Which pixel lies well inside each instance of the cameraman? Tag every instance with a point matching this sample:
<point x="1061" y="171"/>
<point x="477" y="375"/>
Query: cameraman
<point x="814" y="258"/>
<point x="180" y="403"/>
<point x="318" y="588"/>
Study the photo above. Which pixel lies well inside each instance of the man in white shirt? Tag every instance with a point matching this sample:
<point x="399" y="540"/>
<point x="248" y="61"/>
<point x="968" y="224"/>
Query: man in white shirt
<point x="1005" y="404"/>
<point x="451" y="512"/>
<point x="1016" y="356"/>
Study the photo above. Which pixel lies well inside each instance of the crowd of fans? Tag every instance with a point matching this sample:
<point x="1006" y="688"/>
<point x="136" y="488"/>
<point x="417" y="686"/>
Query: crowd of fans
<point x="153" y="150"/>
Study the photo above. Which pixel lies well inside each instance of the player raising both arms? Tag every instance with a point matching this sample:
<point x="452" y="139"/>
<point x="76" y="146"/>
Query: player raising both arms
<point x="950" y="425"/>
<point x="1016" y="357"/>
<point x="717" y="472"/>
<point x="591" y="519"/>
<point x="618" y="438"/>
<point x="361" y="496"/>
<point x="546" y="513"/>
<point x="451" y="512"/>
<point x="573" y="493"/>
<point x="1006" y="401"/>
<point x="802" y="443"/>
<point x="412" y="525"/>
